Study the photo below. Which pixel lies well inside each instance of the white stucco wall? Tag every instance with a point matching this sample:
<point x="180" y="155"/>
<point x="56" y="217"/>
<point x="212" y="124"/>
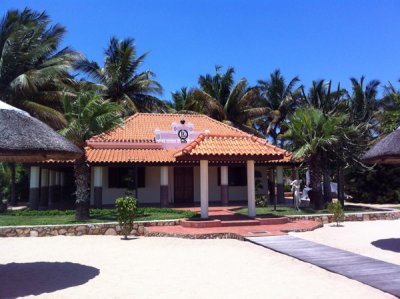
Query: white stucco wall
<point x="151" y="192"/>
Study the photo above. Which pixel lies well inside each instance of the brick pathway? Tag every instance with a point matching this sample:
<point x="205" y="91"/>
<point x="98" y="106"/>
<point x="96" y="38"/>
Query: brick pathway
<point x="241" y="231"/>
<point x="233" y="226"/>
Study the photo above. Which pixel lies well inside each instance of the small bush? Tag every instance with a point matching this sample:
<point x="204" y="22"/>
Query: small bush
<point x="126" y="209"/>
<point x="336" y="209"/>
<point x="261" y="201"/>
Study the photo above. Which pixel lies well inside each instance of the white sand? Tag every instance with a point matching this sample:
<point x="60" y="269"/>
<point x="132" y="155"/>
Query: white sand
<point x="166" y="268"/>
<point x="360" y="237"/>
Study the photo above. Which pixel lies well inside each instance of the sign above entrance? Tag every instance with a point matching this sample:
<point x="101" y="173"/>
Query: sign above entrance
<point x="180" y="134"/>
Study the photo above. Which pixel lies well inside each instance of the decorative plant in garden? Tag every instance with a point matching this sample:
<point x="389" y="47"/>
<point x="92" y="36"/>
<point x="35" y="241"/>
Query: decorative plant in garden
<point x="336" y="209"/>
<point x="126" y="209"/>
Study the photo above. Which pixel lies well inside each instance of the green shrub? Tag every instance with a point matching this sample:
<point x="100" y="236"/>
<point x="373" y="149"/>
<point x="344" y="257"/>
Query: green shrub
<point x="261" y="201"/>
<point x="126" y="209"/>
<point x="336" y="209"/>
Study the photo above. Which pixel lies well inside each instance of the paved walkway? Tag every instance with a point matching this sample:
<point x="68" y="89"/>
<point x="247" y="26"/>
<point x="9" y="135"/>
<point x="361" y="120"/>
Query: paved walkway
<point x="239" y="231"/>
<point x="378" y="274"/>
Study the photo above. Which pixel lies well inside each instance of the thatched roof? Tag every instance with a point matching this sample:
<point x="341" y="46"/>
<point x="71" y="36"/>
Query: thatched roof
<point x="386" y="150"/>
<point x="26" y="139"/>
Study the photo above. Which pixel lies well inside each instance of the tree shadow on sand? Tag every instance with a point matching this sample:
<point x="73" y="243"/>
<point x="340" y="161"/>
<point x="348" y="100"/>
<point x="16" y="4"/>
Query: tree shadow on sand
<point x="24" y="279"/>
<point x="392" y="244"/>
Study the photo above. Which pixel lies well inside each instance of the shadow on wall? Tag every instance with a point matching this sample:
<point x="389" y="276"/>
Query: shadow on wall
<point x="24" y="279"/>
<point x="392" y="244"/>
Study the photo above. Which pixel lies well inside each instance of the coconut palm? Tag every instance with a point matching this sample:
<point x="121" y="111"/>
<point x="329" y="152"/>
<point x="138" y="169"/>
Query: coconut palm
<point x="312" y="133"/>
<point x="321" y="96"/>
<point x="87" y="115"/>
<point x="363" y="102"/>
<point x="280" y="98"/>
<point x="389" y="116"/>
<point x="119" y="80"/>
<point x="33" y="70"/>
<point x="218" y="97"/>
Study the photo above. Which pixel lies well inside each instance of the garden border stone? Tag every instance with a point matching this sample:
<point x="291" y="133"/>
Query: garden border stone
<point x="108" y="228"/>
<point x="364" y="216"/>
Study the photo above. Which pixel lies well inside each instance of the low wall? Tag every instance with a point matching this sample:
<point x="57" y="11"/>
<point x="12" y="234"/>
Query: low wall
<point x="365" y="216"/>
<point x="111" y="228"/>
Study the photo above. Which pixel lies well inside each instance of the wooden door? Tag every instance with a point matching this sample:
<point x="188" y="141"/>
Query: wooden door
<point x="183" y="185"/>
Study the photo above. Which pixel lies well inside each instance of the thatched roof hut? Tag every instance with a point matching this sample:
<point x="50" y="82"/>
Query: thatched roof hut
<point x="26" y="139"/>
<point x="386" y="150"/>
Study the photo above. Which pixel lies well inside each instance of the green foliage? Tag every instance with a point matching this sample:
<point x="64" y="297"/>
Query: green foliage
<point x="336" y="209"/>
<point x="120" y="81"/>
<point x="379" y="185"/>
<point x="280" y="99"/>
<point x="34" y="69"/>
<point x="89" y="115"/>
<point x="261" y="201"/>
<point x="218" y="97"/>
<point x="126" y="209"/>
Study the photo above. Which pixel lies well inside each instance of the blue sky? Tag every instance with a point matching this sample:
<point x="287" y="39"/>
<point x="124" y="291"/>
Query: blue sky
<point x="312" y="39"/>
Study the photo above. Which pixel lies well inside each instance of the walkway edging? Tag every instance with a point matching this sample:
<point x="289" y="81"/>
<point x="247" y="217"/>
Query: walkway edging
<point x="364" y="216"/>
<point x="108" y="228"/>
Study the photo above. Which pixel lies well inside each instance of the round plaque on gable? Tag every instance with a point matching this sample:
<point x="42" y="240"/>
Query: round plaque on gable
<point x="183" y="135"/>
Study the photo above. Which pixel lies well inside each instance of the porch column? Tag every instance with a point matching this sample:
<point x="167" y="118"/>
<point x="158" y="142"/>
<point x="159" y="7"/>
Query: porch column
<point x="271" y="186"/>
<point x="164" y="186"/>
<point x="251" y="193"/>
<point x="62" y="184"/>
<point x="44" y="188"/>
<point x="224" y="185"/>
<point x="204" y="188"/>
<point x="58" y="186"/>
<point x="279" y="185"/>
<point x="98" y="187"/>
<point x="52" y="189"/>
<point x="34" y="188"/>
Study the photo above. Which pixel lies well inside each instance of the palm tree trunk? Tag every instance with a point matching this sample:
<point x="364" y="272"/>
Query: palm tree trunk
<point x="315" y="181"/>
<point x="327" y="179"/>
<point x="340" y="188"/>
<point x="82" y="178"/>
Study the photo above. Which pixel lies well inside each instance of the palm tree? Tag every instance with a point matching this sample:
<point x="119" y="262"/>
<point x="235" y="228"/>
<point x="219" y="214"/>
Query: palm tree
<point x="312" y="133"/>
<point x="218" y="97"/>
<point x="321" y="96"/>
<point x="281" y="99"/>
<point x="33" y="70"/>
<point x="362" y="102"/>
<point x="389" y="106"/>
<point x="330" y="102"/>
<point x="119" y="80"/>
<point x="87" y="115"/>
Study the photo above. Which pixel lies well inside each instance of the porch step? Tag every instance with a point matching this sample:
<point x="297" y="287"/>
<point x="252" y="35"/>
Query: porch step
<point x="240" y="222"/>
<point x="201" y="223"/>
<point x="273" y="221"/>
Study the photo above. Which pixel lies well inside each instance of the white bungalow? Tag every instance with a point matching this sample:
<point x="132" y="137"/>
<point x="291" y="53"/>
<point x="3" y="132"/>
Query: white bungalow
<point x="170" y="160"/>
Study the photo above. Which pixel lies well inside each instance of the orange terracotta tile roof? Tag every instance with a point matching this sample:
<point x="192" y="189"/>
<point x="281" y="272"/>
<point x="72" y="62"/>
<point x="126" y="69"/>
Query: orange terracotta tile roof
<point x="134" y="142"/>
<point x="130" y="155"/>
<point x="140" y="127"/>
<point x="230" y="145"/>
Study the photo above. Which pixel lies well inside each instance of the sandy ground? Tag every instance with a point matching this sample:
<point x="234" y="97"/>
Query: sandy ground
<point x="376" y="239"/>
<point x="107" y="267"/>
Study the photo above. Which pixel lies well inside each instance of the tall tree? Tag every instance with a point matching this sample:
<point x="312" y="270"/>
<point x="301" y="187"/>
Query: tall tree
<point x="362" y="101"/>
<point x="34" y="71"/>
<point x="120" y="80"/>
<point x="389" y="110"/>
<point x="330" y="101"/>
<point x="312" y="133"/>
<point x="87" y="115"/>
<point x="220" y="98"/>
<point x="280" y="98"/>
